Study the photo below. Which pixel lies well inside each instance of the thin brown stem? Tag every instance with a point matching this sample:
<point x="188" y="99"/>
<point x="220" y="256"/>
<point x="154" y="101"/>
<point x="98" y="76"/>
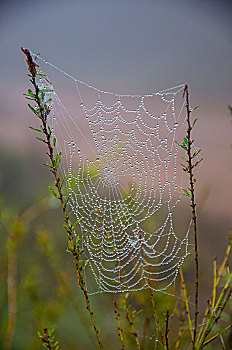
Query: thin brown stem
<point x="131" y="323"/>
<point x="181" y="326"/>
<point x="167" y="329"/>
<point x="119" y="326"/>
<point x="43" y="114"/>
<point x="193" y="206"/>
<point x="152" y="297"/>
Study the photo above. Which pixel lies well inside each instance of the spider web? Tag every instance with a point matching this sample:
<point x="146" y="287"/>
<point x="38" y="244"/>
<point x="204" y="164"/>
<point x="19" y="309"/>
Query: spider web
<point x="120" y="163"/>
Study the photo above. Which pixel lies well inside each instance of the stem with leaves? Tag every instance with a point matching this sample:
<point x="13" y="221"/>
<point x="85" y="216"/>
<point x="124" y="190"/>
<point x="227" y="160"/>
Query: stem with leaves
<point x="48" y="339"/>
<point x="130" y="316"/>
<point x="119" y="326"/>
<point x="187" y="146"/>
<point x="42" y="110"/>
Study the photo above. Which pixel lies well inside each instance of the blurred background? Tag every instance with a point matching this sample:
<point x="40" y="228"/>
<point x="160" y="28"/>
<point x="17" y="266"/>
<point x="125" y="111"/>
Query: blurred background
<point x="121" y="46"/>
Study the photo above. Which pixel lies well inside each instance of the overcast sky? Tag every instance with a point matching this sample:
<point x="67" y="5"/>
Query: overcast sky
<point x="129" y="46"/>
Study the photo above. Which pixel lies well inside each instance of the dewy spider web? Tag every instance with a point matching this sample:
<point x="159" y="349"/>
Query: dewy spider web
<point x="121" y="174"/>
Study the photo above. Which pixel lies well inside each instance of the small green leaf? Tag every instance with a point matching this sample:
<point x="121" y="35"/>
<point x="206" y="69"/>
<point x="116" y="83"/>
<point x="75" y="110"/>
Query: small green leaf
<point x="30" y="127"/>
<point x="38" y="138"/>
<point x="53" y="191"/>
<point x="29" y="98"/>
<point x="47" y="90"/>
<point x="181" y="145"/>
<point x="135" y="313"/>
<point x="58" y="159"/>
<point x="196" y="153"/>
<point x="50" y="165"/>
<point x="30" y="93"/>
<point x="54" y="142"/>
<point x="194" y="108"/>
<point x="83" y="237"/>
<point x="67" y="228"/>
<point x="194" y="122"/>
<point x="197" y="162"/>
<point x="185" y="141"/>
<point x="77" y="222"/>
<point x="32" y="109"/>
<point x="186" y="193"/>
<point x="127" y="295"/>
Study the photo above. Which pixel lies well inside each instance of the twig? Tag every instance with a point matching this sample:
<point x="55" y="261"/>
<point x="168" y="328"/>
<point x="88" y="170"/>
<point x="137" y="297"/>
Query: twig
<point x="181" y="326"/>
<point x="217" y="335"/>
<point x="42" y="113"/>
<point x="130" y="320"/>
<point x="220" y="305"/>
<point x="193" y="205"/>
<point x="119" y="326"/>
<point x="186" y="303"/>
<point x="152" y="295"/>
<point x="167" y="329"/>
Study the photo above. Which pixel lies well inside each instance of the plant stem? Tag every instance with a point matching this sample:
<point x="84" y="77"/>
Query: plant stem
<point x="152" y="296"/>
<point x="43" y="114"/>
<point x="119" y="326"/>
<point x="167" y="330"/>
<point x="193" y="206"/>
<point x="220" y="305"/>
<point x="130" y="320"/>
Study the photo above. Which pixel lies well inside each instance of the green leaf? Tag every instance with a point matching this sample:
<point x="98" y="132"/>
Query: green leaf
<point x="30" y="93"/>
<point x="186" y="193"/>
<point x="196" y="153"/>
<point x="194" y="108"/>
<point x="77" y="222"/>
<point x="54" y="142"/>
<point x="47" y="90"/>
<point x="181" y="145"/>
<point x="29" y="98"/>
<point x="30" y="127"/>
<point x="67" y="228"/>
<point x="81" y="239"/>
<point x="53" y="191"/>
<point x="185" y="141"/>
<point x="50" y="165"/>
<point x="38" y="138"/>
<point x="127" y="295"/>
<point x="32" y="109"/>
<point x="197" y="162"/>
<point x="82" y="263"/>
<point x="58" y="159"/>
<point x="194" y="122"/>
<point x="135" y="313"/>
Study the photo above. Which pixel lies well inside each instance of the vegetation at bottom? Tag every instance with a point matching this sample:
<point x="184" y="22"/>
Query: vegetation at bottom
<point x="44" y="301"/>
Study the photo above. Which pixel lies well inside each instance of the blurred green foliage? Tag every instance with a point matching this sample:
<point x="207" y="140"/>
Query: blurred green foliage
<point x="38" y="285"/>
